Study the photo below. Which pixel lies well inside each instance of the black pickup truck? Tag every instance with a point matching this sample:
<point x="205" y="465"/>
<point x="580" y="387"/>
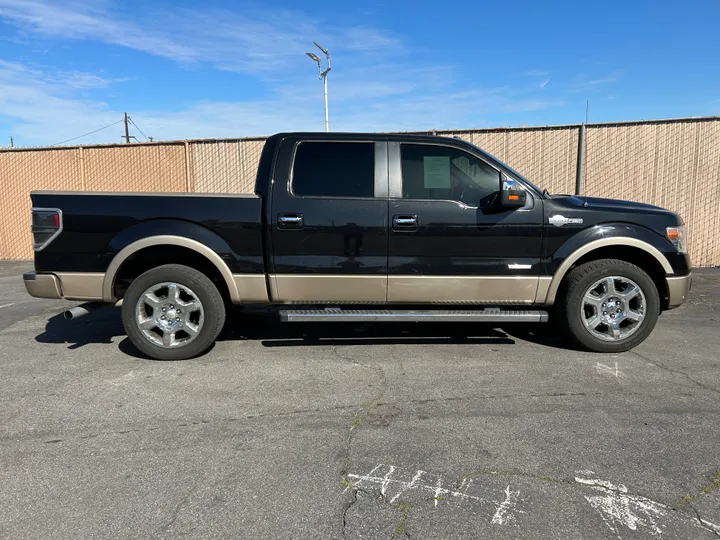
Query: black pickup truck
<point x="363" y="227"/>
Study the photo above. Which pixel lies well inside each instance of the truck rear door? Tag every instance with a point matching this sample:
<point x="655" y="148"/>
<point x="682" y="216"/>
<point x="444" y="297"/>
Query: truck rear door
<point x="329" y="221"/>
<point x="450" y="241"/>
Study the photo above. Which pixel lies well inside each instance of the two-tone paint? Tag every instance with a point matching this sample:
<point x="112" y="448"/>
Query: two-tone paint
<point x="277" y="247"/>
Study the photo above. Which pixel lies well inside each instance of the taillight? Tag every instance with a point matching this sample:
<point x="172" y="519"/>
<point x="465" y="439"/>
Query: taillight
<point x="46" y="225"/>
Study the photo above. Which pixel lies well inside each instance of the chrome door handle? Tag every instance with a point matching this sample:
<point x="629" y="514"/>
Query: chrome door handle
<point x="405" y="223"/>
<point x="290" y="221"/>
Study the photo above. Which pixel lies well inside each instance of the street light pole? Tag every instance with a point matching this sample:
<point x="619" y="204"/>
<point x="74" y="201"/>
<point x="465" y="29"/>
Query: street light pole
<point x="323" y="75"/>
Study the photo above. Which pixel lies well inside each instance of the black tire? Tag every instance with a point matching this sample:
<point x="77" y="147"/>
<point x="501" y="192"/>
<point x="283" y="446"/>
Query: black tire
<point x="575" y="287"/>
<point x="207" y="293"/>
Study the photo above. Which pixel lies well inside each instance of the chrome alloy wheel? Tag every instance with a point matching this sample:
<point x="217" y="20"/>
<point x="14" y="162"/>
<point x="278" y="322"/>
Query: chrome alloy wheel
<point x="613" y="308"/>
<point x="169" y="315"/>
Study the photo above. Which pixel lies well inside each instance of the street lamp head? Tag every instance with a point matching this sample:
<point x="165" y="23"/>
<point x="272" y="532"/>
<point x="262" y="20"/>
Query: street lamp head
<point x="314" y="57"/>
<point x="325" y="51"/>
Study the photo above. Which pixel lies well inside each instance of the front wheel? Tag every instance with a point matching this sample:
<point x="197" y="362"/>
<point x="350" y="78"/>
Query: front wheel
<point x="609" y="305"/>
<point x="173" y="312"/>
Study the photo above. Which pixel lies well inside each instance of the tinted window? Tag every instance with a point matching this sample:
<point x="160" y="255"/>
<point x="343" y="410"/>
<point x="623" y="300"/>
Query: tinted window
<point x="439" y="172"/>
<point x="334" y="169"/>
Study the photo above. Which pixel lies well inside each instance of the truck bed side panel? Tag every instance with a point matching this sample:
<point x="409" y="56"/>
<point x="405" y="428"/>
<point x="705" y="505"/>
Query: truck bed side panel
<point x="98" y="225"/>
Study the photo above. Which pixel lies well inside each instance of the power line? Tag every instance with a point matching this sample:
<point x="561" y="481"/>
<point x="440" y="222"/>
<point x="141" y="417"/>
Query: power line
<point x="86" y="134"/>
<point x="136" y="127"/>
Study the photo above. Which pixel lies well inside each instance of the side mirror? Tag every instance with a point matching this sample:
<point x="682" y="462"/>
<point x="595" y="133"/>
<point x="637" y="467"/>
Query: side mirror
<point x="513" y="198"/>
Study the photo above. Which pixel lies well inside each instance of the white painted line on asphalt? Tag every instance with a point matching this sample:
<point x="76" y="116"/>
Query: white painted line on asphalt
<point x="502" y="514"/>
<point x="607" y="370"/>
<point x="7" y="305"/>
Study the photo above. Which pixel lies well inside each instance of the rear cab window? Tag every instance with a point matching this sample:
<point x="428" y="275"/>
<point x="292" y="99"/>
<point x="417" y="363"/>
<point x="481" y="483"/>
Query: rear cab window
<point x="334" y="169"/>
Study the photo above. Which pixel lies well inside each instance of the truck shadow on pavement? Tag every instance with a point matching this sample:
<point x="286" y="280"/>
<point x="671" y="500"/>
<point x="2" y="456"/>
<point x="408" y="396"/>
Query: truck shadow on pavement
<point x="104" y="325"/>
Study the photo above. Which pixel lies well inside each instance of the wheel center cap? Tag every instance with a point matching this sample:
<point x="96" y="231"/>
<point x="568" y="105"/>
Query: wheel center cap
<point x="171" y="314"/>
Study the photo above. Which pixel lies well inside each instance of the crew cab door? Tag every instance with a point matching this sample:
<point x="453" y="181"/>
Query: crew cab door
<point x="329" y="221"/>
<point x="450" y="240"/>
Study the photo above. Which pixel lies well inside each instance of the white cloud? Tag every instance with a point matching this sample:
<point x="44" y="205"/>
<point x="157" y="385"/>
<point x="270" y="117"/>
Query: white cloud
<point x="375" y="89"/>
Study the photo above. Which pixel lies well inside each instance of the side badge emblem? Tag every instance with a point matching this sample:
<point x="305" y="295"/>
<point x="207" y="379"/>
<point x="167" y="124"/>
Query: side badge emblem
<point x="559" y="220"/>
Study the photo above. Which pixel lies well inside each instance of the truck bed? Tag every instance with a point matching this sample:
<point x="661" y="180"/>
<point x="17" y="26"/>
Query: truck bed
<point x="97" y="225"/>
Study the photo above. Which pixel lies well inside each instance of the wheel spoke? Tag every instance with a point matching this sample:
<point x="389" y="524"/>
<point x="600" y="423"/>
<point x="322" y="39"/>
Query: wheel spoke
<point x="634" y="316"/>
<point x="152" y="300"/>
<point x="147" y="324"/>
<point x="609" y="286"/>
<point x="191" y="329"/>
<point x="615" y="329"/>
<point x="593" y="322"/>
<point x="631" y="292"/>
<point x="168" y="338"/>
<point x="192" y="305"/>
<point x="593" y="300"/>
<point x="174" y="293"/>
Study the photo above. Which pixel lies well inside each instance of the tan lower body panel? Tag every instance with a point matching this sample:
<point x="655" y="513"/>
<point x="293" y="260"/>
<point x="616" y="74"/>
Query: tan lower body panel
<point x="678" y="289"/>
<point x="252" y="288"/>
<point x="542" y="289"/>
<point x="81" y="285"/>
<point x="462" y="289"/>
<point x="328" y="288"/>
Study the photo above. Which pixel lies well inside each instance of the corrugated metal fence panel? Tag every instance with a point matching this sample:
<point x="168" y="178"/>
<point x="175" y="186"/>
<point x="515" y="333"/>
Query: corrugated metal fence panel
<point x="546" y="156"/>
<point x="225" y="166"/>
<point x="136" y="168"/>
<point x="672" y="165"/>
<point x="22" y="172"/>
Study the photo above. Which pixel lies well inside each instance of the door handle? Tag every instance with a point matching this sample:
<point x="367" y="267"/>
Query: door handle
<point x="405" y="223"/>
<point x="290" y="221"/>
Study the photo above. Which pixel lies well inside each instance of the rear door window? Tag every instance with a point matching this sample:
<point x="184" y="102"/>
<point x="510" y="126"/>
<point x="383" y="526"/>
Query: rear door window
<point x="334" y="169"/>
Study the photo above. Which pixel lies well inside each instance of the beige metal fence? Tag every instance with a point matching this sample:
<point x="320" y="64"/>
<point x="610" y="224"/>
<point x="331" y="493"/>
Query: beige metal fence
<point x="671" y="163"/>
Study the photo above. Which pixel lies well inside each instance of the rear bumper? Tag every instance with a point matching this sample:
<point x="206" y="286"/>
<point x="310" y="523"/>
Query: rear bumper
<point x="71" y="286"/>
<point x="678" y="289"/>
<point x="42" y="285"/>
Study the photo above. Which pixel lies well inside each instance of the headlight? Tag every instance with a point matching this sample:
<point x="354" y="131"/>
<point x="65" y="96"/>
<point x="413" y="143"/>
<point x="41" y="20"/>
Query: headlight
<point x="678" y="238"/>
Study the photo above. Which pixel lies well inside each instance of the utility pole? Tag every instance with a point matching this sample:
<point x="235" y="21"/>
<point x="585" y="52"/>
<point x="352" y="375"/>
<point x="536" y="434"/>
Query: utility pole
<point x="12" y="143"/>
<point x="127" y="133"/>
<point x="323" y="75"/>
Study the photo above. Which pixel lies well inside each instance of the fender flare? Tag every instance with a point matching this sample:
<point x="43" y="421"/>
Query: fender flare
<point x="202" y="249"/>
<point x="562" y="270"/>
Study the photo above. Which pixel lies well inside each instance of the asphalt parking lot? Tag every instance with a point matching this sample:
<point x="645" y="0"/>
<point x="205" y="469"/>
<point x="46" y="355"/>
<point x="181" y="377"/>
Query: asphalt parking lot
<point x="419" y="431"/>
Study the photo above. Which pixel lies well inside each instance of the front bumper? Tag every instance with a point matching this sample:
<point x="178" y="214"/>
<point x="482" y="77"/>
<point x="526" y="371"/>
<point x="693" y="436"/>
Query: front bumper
<point x="71" y="286"/>
<point x="678" y="289"/>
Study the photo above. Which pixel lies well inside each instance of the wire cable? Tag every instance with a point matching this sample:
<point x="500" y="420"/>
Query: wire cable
<point x="81" y="136"/>
<point x="140" y="130"/>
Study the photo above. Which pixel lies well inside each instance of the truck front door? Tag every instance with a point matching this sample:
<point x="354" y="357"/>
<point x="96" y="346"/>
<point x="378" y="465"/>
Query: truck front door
<point x="450" y="240"/>
<point x="329" y="221"/>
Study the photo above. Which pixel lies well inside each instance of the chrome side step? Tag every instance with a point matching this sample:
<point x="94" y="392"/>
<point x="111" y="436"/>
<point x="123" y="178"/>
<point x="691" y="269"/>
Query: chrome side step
<point x="390" y="315"/>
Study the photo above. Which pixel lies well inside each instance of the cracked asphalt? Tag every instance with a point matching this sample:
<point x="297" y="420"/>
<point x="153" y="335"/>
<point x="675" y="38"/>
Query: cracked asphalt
<point x="357" y="431"/>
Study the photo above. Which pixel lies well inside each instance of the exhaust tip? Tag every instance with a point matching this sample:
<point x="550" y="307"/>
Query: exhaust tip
<point x="68" y="315"/>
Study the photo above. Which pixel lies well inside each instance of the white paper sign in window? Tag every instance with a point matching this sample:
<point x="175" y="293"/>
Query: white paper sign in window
<point x="436" y="172"/>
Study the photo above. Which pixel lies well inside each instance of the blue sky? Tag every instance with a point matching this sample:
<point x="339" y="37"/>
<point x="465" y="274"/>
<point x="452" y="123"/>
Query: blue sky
<point x="189" y="69"/>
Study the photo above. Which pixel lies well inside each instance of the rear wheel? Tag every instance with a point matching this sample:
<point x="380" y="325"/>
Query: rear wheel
<point x="609" y="305"/>
<point x="173" y="312"/>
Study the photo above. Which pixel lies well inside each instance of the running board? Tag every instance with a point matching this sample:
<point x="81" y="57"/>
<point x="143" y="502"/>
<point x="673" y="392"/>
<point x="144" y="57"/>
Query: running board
<point x="388" y="315"/>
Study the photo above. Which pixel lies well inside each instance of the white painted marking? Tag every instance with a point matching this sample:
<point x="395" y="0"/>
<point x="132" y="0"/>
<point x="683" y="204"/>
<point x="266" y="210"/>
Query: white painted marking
<point x="7" y="305"/>
<point x="438" y="489"/>
<point x="363" y="478"/>
<point x="390" y="483"/>
<point x="607" y="370"/>
<point x="617" y="508"/>
<point x="502" y="514"/>
<point x="409" y="486"/>
<point x="710" y="526"/>
<point x="387" y="480"/>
